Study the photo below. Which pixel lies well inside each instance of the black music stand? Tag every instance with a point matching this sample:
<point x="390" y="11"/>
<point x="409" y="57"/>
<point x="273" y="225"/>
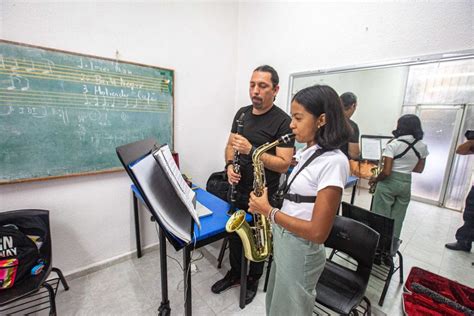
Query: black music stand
<point x="129" y="154"/>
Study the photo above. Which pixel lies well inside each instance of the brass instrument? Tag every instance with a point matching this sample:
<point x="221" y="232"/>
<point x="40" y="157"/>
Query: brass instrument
<point x="375" y="172"/>
<point x="256" y="240"/>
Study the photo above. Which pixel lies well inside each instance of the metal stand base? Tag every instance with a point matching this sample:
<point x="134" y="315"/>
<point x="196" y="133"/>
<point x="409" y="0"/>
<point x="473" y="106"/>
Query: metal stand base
<point x="164" y="309"/>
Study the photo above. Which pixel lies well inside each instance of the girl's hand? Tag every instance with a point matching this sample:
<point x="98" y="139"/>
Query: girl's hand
<point x="260" y="204"/>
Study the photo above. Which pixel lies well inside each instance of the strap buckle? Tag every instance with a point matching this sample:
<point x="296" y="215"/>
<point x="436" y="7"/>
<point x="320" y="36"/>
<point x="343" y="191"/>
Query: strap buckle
<point x="293" y="197"/>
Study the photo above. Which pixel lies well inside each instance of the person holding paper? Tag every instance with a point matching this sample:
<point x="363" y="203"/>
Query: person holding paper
<point x="402" y="156"/>
<point x="301" y="226"/>
<point x="262" y="122"/>
<point x="351" y="147"/>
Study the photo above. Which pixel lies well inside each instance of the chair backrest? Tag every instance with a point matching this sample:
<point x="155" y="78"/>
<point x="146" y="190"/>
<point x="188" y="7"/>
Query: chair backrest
<point x="34" y="222"/>
<point x="357" y="240"/>
<point x="381" y="224"/>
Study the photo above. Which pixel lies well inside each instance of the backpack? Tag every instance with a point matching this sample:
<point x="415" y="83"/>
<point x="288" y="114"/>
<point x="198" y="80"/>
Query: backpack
<point x="18" y="255"/>
<point x="217" y="184"/>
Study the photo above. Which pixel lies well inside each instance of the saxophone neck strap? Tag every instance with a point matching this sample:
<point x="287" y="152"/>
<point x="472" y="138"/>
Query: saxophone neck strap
<point x="296" y="197"/>
<point x="299" y="198"/>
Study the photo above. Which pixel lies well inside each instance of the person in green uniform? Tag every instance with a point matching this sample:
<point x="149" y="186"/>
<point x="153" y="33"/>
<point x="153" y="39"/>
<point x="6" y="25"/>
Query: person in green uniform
<point x="405" y="154"/>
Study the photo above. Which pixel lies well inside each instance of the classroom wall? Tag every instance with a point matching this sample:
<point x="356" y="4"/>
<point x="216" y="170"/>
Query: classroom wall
<point x="213" y="47"/>
<point x="91" y="216"/>
<point x="304" y="36"/>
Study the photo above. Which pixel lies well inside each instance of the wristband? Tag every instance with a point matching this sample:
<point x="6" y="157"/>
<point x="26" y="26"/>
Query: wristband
<point x="272" y="214"/>
<point x="228" y="163"/>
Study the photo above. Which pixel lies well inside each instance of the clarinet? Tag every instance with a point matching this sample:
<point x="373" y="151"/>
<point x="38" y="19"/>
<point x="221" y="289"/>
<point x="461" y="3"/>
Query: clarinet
<point x="236" y="165"/>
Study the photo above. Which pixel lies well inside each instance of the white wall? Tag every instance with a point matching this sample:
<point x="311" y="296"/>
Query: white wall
<point x="295" y="37"/>
<point x="92" y="215"/>
<point x="213" y="47"/>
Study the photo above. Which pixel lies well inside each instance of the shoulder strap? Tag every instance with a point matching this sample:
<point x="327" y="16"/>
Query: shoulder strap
<point x="315" y="155"/>
<point x="410" y="146"/>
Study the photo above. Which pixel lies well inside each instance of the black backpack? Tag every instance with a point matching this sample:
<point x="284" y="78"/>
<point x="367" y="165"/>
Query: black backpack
<point x="18" y="255"/>
<point x="217" y="184"/>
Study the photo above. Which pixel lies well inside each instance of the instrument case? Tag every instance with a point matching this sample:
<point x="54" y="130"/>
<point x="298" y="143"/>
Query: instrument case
<point x="417" y="303"/>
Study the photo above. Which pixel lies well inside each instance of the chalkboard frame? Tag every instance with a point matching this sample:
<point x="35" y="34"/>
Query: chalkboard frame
<point x="119" y="168"/>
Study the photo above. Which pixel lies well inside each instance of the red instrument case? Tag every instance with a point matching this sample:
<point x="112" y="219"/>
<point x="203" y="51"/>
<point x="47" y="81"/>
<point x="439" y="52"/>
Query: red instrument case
<point x="426" y="293"/>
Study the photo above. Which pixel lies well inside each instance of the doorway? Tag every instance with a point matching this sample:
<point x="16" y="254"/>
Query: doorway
<point x="441" y="95"/>
<point x="446" y="177"/>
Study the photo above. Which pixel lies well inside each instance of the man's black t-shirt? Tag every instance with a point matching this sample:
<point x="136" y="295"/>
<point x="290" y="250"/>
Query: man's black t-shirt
<point x="258" y="130"/>
<point x="354" y="138"/>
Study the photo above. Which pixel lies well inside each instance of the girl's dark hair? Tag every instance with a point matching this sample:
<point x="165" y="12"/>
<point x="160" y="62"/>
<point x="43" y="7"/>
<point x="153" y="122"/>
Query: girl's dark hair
<point x="321" y="99"/>
<point x="409" y="124"/>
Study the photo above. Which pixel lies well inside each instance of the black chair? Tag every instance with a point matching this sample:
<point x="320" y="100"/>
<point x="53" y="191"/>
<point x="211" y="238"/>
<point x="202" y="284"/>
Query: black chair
<point x="388" y="244"/>
<point x="341" y="288"/>
<point x="34" y="293"/>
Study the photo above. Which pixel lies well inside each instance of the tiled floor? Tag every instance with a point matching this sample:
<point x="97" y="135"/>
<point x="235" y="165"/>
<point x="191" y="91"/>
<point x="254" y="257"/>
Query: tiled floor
<point x="133" y="287"/>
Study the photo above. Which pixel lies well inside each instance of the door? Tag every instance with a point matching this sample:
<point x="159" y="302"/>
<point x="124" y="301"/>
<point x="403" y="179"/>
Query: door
<point x="446" y="177"/>
<point x="460" y="177"/>
<point x="441" y="95"/>
<point x="440" y="126"/>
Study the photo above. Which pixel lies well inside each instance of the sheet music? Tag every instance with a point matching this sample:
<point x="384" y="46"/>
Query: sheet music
<point x="165" y="158"/>
<point x="384" y="142"/>
<point x="371" y="148"/>
<point x="146" y="174"/>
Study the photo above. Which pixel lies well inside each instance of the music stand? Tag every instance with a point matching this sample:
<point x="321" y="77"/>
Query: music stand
<point x="372" y="146"/>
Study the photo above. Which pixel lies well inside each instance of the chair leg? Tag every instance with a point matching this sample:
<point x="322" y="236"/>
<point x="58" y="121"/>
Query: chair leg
<point x="221" y="253"/>
<point x="267" y="275"/>
<point x="400" y="266"/>
<point x="52" y="299"/>
<point x="333" y="252"/>
<point x="387" y="282"/>
<point x="369" y="306"/>
<point x="61" y="277"/>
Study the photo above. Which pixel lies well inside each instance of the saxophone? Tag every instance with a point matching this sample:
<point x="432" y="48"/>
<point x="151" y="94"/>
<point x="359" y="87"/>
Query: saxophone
<point x="375" y="172"/>
<point x="256" y="240"/>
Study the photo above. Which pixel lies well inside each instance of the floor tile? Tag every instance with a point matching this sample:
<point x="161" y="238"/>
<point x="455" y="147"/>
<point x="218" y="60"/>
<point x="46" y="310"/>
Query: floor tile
<point x="133" y="287"/>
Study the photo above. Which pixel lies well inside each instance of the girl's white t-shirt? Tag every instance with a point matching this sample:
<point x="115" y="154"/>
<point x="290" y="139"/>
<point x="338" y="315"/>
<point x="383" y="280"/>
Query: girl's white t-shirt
<point x="329" y="169"/>
<point x="406" y="163"/>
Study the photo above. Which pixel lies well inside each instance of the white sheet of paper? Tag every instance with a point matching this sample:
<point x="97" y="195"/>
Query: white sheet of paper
<point x="371" y="148"/>
<point x="174" y="174"/>
<point x="201" y="210"/>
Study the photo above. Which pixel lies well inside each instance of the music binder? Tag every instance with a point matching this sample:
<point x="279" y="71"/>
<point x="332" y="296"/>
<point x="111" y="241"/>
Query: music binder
<point x="164" y="157"/>
<point x="155" y="185"/>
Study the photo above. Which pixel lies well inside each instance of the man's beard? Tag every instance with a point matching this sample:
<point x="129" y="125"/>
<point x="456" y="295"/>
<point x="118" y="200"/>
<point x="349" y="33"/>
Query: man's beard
<point x="257" y="103"/>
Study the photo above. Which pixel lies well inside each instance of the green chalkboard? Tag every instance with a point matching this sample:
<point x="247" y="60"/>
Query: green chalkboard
<point x="63" y="113"/>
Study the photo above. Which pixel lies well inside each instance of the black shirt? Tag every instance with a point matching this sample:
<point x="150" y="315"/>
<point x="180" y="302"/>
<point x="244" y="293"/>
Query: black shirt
<point x="258" y="130"/>
<point x="354" y="138"/>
